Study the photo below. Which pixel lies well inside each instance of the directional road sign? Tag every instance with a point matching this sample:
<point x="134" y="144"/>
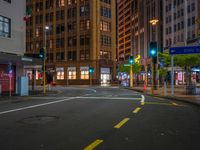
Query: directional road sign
<point x="184" y="50"/>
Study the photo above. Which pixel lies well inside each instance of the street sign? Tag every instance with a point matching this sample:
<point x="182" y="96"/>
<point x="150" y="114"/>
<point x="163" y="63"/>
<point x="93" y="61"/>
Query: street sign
<point x="184" y="50"/>
<point x="126" y="65"/>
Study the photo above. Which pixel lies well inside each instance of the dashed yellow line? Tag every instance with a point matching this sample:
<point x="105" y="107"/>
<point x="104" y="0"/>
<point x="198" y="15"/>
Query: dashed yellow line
<point x="119" y="125"/>
<point x="142" y="103"/>
<point x="137" y="110"/>
<point x="93" y="145"/>
<point x="175" y="104"/>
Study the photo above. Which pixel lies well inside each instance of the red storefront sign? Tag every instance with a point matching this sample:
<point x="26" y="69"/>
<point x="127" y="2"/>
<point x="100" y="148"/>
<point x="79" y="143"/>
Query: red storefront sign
<point x="5" y="78"/>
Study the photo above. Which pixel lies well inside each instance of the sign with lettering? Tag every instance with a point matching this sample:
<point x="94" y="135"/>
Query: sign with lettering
<point x="184" y="50"/>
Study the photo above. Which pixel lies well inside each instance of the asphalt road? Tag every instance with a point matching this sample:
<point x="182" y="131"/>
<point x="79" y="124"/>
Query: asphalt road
<point x="98" y="118"/>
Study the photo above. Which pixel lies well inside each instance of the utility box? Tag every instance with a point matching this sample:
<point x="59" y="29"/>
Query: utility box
<point x="23" y="86"/>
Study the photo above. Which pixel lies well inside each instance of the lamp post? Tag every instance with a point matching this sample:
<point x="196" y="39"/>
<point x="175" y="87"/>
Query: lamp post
<point x="154" y="22"/>
<point x="46" y="28"/>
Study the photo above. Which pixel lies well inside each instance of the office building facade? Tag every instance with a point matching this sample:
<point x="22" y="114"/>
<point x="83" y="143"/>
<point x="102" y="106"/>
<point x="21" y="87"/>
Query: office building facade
<point x="81" y="35"/>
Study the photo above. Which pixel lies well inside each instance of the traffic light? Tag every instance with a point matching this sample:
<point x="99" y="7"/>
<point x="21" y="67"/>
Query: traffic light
<point x="153" y="49"/>
<point x="91" y="70"/>
<point x="42" y="53"/>
<point x="131" y="60"/>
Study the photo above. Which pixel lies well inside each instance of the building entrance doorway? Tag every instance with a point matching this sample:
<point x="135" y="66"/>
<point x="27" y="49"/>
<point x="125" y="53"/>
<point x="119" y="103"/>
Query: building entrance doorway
<point x="105" y="76"/>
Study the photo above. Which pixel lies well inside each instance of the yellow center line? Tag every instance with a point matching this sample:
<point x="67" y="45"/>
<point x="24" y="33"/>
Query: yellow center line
<point x="142" y="103"/>
<point x="137" y="110"/>
<point x="119" y="125"/>
<point x="93" y="145"/>
<point x="175" y="104"/>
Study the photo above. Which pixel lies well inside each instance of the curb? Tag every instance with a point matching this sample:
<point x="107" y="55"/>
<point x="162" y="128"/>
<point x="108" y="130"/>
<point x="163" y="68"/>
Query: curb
<point x="168" y="97"/>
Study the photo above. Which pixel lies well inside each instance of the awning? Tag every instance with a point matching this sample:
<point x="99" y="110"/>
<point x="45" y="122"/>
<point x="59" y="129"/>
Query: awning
<point x="6" y="58"/>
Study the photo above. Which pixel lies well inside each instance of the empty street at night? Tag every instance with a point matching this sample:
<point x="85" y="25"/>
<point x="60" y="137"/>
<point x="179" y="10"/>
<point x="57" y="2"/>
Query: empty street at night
<point x="98" y="118"/>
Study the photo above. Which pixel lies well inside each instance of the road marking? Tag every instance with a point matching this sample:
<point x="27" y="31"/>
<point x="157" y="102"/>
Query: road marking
<point x="122" y="98"/>
<point x="93" y="145"/>
<point x="137" y="110"/>
<point x="175" y="104"/>
<point x="142" y="100"/>
<point x="119" y="125"/>
<point x="167" y="104"/>
<point x="38" y="105"/>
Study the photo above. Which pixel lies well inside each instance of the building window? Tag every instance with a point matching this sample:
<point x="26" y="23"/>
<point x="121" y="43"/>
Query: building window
<point x="60" y="56"/>
<point x="72" y="12"/>
<point x="71" y="26"/>
<point x="84" y="73"/>
<point x="5" y="27"/>
<point x="84" y="55"/>
<point x="71" y="41"/>
<point x="106" y="1"/>
<point x="84" y="25"/>
<point x="105" y="40"/>
<point x="60" y="3"/>
<point x="105" y="12"/>
<point x="105" y="26"/>
<point x="72" y="55"/>
<point x="60" y="73"/>
<point x="84" y="10"/>
<point x="71" y="73"/>
<point x="84" y="40"/>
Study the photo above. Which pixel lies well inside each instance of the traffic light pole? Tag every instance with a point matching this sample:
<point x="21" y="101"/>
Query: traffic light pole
<point x="90" y="79"/>
<point x="152" y="80"/>
<point x="131" y="75"/>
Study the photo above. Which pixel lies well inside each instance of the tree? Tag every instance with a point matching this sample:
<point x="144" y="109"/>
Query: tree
<point x="184" y="61"/>
<point x="126" y="68"/>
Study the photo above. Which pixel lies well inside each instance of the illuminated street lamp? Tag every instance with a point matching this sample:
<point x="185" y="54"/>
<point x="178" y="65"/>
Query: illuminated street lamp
<point x="154" y="22"/>
<point x="46" y="28"/>
<point x="153" y="52"/>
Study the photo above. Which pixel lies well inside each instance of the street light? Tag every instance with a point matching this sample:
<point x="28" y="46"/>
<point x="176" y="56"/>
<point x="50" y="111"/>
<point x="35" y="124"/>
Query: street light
<point x="46" y="28"/>
<point x="153" y="52"/>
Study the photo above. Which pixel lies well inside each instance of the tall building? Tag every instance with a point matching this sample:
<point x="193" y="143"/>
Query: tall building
<point x="180" y="25"/>
<point x="12" y="44"/>
<point x="81" y="35"/>
<point x="135" y="32"/>
<point x="142" y="31"/>
<point x="124" y="29"/>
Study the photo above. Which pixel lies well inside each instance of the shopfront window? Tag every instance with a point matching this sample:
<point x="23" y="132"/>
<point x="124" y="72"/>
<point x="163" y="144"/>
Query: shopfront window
<point x="84" y="73"/>
<point x="60" y="73"/>
<point x="72" y="73"/>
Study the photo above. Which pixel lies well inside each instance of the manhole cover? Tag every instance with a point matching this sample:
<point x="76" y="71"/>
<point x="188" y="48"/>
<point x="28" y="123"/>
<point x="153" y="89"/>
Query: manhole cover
<point x="39" y="119"/>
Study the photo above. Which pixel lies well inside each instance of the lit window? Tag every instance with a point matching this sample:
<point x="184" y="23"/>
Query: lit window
<point x="72" y="73"/>
<point x="84" y="73"/>
<point x="37" y="32"/>
<point x="60" y="73"/>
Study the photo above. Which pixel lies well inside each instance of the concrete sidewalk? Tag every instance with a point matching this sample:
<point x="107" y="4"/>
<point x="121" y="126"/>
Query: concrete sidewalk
<point x="179" y="94"/>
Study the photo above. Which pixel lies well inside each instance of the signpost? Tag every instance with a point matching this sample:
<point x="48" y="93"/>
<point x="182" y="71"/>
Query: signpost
<point x="178" y="51"/>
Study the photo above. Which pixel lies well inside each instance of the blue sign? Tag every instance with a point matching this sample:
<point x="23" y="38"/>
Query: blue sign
<point x="184" y="50"/>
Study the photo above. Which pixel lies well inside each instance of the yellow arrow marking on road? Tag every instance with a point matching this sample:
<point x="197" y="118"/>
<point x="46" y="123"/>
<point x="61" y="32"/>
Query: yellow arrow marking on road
<point x="119" y="125"/>
<point x="93" y="145"/>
